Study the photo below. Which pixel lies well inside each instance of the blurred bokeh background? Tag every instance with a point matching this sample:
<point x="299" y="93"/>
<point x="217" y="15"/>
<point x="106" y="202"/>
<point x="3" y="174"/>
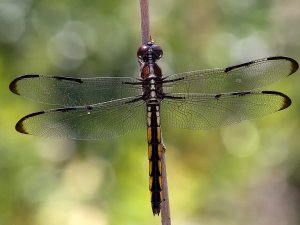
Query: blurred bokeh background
<point x="243" y="174"/>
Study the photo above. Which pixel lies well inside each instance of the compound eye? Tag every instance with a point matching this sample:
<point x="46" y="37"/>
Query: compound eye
<point x="157" y="50"/>
<point x="142" y="51"/>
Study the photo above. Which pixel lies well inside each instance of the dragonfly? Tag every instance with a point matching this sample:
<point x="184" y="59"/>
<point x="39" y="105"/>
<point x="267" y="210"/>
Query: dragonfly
<point x="106" y="107"/>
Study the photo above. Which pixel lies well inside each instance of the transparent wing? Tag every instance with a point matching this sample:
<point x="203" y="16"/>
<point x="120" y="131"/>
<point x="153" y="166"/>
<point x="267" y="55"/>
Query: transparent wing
<point x="67" y="91"/>
<point x="205" y="111"/>
<point x="99" y="121"/>
<point x="243" y="77"/>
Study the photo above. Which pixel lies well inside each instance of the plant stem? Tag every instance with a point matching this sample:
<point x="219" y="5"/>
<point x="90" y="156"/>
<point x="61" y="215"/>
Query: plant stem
<point x="165" y="209"/>
<point x="145" y="28"/>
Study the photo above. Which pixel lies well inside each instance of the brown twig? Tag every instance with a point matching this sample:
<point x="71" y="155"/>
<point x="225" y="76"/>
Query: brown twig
<point x="145" y="27"/>
<point x="165" y="207"/>
<point x="145" y="33"/>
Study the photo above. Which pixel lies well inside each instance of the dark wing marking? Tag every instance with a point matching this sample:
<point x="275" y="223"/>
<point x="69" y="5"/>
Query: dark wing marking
<point x="243" y="77"/>
<point x="206" y="111"/>
<point x="68" y="91"/>
<point x="98" y="121"/>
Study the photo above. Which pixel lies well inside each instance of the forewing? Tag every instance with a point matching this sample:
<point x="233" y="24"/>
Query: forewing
<point x="206" y="111"/>
<point x="243" y="77"/>
<point x="67" y="91"/>
<point x="99" y="121"/>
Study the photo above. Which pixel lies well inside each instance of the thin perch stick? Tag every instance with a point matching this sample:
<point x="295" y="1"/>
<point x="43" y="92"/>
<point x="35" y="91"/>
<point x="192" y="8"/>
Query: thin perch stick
<point x="165" y="207"/>
<point x="145" y="28"/>
<point x="145" y="33"/>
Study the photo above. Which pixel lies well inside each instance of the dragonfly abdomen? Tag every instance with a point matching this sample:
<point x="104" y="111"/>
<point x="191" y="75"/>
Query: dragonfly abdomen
<point x="154" y="155"/>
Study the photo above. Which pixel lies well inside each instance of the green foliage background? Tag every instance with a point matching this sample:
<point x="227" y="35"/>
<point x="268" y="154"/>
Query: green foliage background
<point x="243" y="174"/>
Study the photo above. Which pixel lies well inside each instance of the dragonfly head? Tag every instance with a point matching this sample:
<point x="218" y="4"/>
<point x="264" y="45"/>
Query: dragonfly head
<point x="149" y="51"/>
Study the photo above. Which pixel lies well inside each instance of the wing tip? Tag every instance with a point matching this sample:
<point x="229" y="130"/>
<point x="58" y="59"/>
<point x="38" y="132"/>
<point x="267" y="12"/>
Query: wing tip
<point x="19" y="127"/>
<point x="13" y="86"/>
<point x="20" y="124"/>
<point x="294" y="63"/>
<point x="286" y="99"/>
